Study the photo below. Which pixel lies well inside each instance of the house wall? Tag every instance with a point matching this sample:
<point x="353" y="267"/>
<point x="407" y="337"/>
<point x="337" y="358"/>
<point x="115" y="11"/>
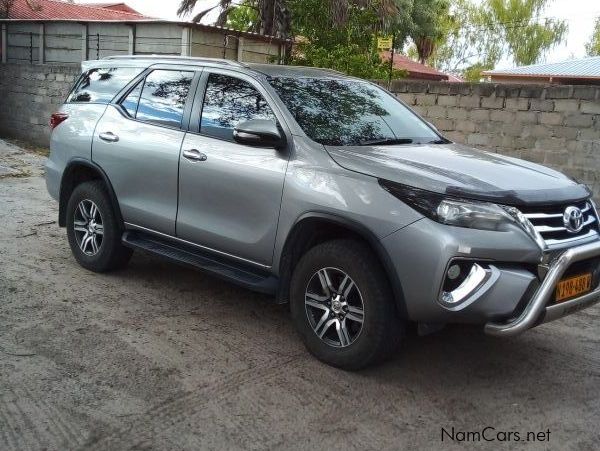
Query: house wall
<point x="63" y="42"/>
<point x="213" y="45"/>
<point x="104" y="39"/>
<point x="558" y="126"/>
<point x="232" y="46"/>
<point x="159" y="39"/>
<point x="73" y="42"/>
<point x="22" y="43"/>
<point x="260" y="52"/>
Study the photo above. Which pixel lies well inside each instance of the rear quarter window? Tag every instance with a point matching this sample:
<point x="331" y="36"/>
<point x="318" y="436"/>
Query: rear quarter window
<point x="101" y="85"/>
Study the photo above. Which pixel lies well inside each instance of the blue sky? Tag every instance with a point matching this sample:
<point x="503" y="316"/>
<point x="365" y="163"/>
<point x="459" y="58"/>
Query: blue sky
<point x="579" y="14"/>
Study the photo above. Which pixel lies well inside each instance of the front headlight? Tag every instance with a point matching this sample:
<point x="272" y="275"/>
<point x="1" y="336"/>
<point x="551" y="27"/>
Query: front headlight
<point x="452" y="211"/>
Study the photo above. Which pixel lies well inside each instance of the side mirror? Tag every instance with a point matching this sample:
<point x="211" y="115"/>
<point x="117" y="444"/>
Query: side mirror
<point x="259" y="132"/>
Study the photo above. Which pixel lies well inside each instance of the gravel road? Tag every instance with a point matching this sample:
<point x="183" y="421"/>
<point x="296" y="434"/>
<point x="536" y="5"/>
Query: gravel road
<point x="162" y="357"/>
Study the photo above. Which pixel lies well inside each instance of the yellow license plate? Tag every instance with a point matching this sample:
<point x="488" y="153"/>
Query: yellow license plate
<point x="573" y="286"/>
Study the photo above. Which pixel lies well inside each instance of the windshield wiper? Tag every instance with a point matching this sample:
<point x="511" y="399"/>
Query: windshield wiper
<point x="439" y="141"/>
<point x="385" y="141"/>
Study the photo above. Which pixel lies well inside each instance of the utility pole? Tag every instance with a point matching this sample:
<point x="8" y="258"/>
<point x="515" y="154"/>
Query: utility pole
<point x="391" y="61"/>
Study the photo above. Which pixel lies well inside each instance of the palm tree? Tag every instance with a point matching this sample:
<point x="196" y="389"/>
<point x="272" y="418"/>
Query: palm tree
<point x="273" y="15"/>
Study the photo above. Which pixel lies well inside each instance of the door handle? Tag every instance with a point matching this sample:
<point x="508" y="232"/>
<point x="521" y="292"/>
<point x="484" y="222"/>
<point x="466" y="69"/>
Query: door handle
<point x="108" y="137"/>
<point x="194" y="155"/>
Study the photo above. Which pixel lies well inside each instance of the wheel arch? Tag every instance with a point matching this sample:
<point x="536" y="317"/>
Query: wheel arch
<point x="307" y="231"/>
<point x="77" y="171"/>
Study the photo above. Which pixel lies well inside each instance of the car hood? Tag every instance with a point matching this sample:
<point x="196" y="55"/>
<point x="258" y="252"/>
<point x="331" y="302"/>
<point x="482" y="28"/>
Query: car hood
<point x="462" y="171"/>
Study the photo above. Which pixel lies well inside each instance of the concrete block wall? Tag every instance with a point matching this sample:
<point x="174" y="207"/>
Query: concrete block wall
<point x="29" y="95"/>
<point x="557" y="126"/>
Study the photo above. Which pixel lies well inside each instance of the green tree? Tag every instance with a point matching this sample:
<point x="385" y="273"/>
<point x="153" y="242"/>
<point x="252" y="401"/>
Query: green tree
<point x="427" y="28"/>
<point x="338" y="38"/>
<point x="592" y="47"/>
<point x="468" y="46"/>
<point x="478" y="35"/>
<point x="337" y="34"/>
<point x="517" y="22"/>
<point x="243" y="18"/>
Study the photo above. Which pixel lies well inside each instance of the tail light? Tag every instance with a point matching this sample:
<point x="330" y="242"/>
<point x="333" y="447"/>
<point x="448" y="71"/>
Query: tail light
<point x="57" y="118"/>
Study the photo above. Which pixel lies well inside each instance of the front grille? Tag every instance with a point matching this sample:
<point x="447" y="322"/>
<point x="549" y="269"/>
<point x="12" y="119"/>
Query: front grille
<point x="548" y="222"/>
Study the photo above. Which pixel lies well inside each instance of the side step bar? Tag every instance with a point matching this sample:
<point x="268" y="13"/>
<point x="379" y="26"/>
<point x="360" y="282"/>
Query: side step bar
<point x="242" y="275"/>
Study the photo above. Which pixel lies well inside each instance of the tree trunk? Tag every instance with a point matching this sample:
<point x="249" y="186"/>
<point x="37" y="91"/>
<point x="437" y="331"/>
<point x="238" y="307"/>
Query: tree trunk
<point x="425" y="47"/>
<point x="267" y="16"/>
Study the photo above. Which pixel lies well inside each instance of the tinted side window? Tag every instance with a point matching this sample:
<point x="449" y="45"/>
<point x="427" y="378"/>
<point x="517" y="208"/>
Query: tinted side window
<point x="101" y="85"/>
<point x="229" y="101"/>
<point x="163" y="97"/>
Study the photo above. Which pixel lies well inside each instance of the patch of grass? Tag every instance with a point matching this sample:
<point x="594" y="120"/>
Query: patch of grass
<point x="29" y="147"/>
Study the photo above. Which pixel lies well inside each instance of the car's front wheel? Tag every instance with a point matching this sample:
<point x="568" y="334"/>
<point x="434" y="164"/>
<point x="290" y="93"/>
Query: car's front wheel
<point x="93" y="230"/>
<point x="342" y="305"/>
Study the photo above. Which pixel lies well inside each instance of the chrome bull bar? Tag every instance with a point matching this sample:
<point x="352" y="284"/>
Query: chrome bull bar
<point x="537" y="306"/>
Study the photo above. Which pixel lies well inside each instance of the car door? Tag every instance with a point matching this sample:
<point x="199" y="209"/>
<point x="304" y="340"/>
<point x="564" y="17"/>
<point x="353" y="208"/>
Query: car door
<point x="229" y="193"/>
<point x="137" y="143"/>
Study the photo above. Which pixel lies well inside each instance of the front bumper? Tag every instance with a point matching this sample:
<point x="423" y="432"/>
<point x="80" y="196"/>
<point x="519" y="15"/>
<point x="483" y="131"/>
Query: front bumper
<point x="537" y="309"/>
<point x="420" y="254"/>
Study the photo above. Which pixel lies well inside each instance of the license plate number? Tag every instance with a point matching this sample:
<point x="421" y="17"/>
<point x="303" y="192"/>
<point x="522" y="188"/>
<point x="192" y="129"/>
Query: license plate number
<point x="573" y="286"/>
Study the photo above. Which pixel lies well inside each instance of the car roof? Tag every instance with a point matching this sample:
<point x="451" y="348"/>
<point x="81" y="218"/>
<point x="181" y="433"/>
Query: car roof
<point x="272" y="70"/>
<point x="278" y="70"/>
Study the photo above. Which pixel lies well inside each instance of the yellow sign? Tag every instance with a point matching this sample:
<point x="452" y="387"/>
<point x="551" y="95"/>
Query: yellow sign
<point x="385" y="43"/>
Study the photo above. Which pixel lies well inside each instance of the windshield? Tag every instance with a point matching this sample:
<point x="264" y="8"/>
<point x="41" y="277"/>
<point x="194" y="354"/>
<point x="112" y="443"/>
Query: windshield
<point x="339" y="112"/>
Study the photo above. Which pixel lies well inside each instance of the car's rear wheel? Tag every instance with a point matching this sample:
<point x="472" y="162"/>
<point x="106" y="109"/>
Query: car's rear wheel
<point x="93" y="230"/>
<point x="342" y="305"/>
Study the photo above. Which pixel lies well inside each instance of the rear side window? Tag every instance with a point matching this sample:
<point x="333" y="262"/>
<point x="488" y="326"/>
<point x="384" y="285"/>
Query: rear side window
<point x="101" y="85"/>
<point x="229" y="101"/>
<point x="160" y="98"/>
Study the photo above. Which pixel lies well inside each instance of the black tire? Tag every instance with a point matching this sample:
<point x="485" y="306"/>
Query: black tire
<point x="382" y="329"/>
<point x="110" y="253"/>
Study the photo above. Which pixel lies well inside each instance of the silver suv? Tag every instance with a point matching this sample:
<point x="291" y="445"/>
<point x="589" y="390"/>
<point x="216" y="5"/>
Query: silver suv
<point x="323" y="190"/>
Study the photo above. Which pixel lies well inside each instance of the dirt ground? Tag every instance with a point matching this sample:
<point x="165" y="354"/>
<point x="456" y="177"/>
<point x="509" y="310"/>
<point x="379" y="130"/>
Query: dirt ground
<point x="162" y="357"/>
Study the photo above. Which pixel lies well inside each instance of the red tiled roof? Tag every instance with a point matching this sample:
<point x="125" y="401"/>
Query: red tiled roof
<point x="455" y="79"/>
<point x="415" y="69"/>
<point x="59" y="10"/>
<point x="115" y="7"/>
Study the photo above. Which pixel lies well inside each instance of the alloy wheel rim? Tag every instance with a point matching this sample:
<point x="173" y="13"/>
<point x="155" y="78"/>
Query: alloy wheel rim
<point x="88" y="227"/>
<point x="334" y="307"/>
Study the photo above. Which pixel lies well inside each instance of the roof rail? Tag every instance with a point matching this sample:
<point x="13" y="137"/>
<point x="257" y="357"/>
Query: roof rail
<point x="175" y="58"/>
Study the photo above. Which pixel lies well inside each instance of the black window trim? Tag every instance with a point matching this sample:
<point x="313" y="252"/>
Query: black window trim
<point x="198" y="104"/>
<point x="141" y="78"/>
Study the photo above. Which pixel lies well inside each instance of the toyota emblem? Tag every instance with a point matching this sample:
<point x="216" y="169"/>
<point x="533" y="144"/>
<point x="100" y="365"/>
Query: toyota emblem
<point x="573" y="219"/>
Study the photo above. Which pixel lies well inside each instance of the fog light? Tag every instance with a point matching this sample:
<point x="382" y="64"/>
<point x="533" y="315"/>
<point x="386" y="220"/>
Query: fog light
<point x="465" y="282"/>
<point x="473" y="280"/>
<point x="453" y="272"/>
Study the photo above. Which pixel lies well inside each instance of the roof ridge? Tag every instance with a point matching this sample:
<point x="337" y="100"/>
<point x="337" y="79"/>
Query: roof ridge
<point x="98" y="8"/>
